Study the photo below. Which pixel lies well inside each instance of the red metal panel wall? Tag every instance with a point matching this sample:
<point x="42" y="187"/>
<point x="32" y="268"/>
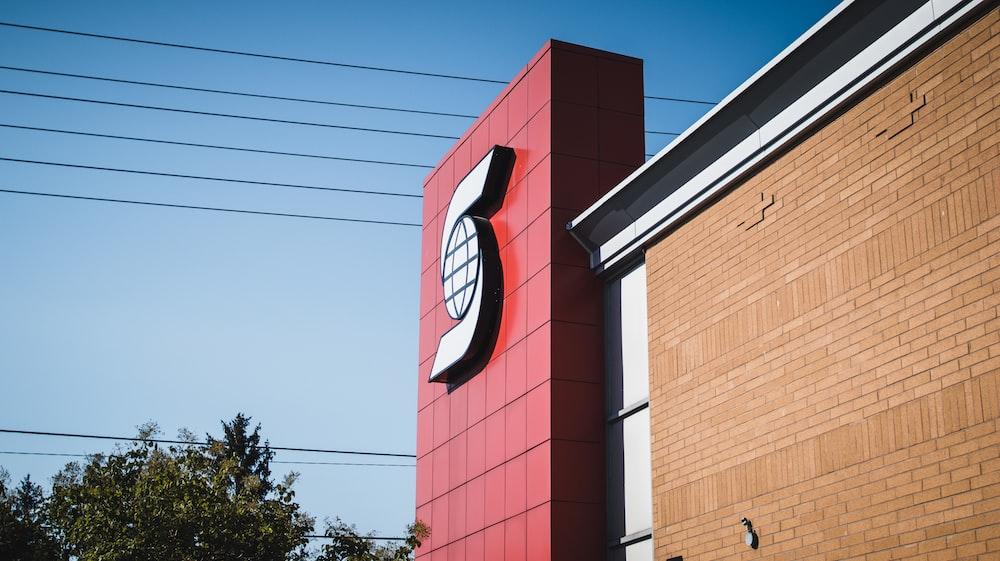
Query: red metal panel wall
<point x="511" y="463"/>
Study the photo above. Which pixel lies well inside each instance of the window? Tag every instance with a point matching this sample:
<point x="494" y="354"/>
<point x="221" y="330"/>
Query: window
<point x="630" y="501"/>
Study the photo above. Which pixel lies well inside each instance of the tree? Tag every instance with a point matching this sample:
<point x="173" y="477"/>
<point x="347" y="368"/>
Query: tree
<point x="24" y="533"/>
<point x="215" y="501"/>
<point x="347" y="545"/>
<point x="182" y="503"/>
<point x="252" y="460"/>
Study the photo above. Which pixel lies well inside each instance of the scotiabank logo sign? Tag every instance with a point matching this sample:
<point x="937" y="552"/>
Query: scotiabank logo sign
<point x="471" y="271"/>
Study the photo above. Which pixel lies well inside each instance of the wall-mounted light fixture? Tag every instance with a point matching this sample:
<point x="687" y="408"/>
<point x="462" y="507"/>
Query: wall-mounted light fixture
<point x="750" y="537"/>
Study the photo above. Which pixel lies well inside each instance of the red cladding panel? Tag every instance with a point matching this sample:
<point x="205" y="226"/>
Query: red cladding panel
<point x="517" y="370"/>
<point x="476" y="450"/>
<point x="439" y="522"/>
<point x="496" y="384"/>
<point x="510" y="461"/>
<point x="475" y="504"/>
<point x="539" y="414"/>
<point x="456" y="514"/>
<point x="515" y="538"/>
<point x="457" y="460"/>
<point x="517" y="108"/>
<point x="494" y="543"/>
<point x="496" y="486"/>
<point x="582" y="467"/>
<point x="620" y="86"/>
<point x="475" y="547"/>
<point x="515" y="488"/>
<point x="458" y="416"/>
<point x="538" y="475"/>
<point x="539" y="299"/>
<point x="577" y="532"/>
<point x="574" y="79"/>
<point x="439" y="471"/>
<point x="539" y="534"/>
<point x="516" y="432"/>
<point x="496" y="430"/>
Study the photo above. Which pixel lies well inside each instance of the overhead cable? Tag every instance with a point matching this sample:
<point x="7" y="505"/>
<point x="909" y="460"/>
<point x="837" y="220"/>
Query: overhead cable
<point x="231" y="92"/>
<point x="210" y="178"/>
<point x="207" y="208"/>
<point x="197" y="443"/>
<point x="228" y="115"/>
<point x="290" y="462"/>
<point x="302" y="60"/>
<point x="250" y="54"/>
<point x="216" y="146"/>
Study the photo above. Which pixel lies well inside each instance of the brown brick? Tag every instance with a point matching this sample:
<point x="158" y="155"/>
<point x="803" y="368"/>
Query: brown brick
<point x="834" y="373"/>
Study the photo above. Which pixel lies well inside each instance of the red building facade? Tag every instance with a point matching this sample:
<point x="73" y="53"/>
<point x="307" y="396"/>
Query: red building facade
<point x="511" y="461"/>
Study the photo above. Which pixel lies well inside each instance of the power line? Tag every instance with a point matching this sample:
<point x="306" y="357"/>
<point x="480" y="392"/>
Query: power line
<point x="216" y="146"/>
<point x="250" y="117"/>
<point x="303" y="60"/>
<point x="209" y="208"/>
<point x="373" y="538"/>
<point x="243" y="94"/>
<point x="681" y="100"/>
<point x="196" y="443"/>
<point x="228" y="115"/>
<point x="209" y="178"/>
<point x="67" y="455"/>
<point x="250" y="54"/>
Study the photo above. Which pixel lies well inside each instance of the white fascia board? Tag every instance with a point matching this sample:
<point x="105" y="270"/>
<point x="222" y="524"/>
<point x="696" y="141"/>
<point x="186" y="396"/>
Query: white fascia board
<point x="900" y="42"/>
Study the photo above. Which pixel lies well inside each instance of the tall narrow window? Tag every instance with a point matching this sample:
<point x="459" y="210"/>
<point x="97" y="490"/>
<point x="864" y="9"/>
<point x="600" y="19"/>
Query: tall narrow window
<point x="630" y="501"/>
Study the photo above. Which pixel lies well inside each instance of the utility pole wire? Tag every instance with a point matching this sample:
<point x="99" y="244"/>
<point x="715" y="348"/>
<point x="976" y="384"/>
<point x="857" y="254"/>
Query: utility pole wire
<point x="291" y="462"/>
<point x="231" y="92"/>
<point x="250" y="54"/>
<point x="197" y="443"/>
<point x="208" y="208"/>
<point x="302" y="60"/>
<point x="215" y="146"/>
<point x="228" y="115"/>
<point x="209" y="178"/>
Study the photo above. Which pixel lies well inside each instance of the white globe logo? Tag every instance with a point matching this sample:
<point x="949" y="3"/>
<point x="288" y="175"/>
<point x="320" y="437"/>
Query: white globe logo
<point x="461" y="267"/>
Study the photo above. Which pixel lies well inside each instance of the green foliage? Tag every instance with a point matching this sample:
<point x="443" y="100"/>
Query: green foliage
<point x="24" y="532"/>
<point x="182" y="503"/>
<point x="347" y="545"/>
<point x="185" y="502"/>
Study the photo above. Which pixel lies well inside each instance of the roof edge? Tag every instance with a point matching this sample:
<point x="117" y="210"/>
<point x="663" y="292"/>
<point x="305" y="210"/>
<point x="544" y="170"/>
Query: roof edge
<point x="612" y="229"/>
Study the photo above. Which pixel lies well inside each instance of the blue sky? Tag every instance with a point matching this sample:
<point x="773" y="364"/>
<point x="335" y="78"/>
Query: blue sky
<point x="112" y="315"/>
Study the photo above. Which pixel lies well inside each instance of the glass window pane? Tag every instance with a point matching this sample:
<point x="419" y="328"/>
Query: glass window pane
<point x="638" y="473"/>
<point x="641" y="551"/>
<point x="634" y="337"/>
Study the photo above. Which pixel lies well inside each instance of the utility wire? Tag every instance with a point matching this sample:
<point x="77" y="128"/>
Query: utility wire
<point x="209" y="178"/>
<point x="216" y="146"/>
<point x="67" y="455"/>
<point x="373" y="538"/>
<point x="250" y="117"/>
<point x="228" y="115"/>
<point x="197" y="443"/>
<point x="250" y="54"/>
<point x="681" y="100"/>
<point x="230" y="92"/>
<point x="209" y="208"/>
<point x="303" y="60"/>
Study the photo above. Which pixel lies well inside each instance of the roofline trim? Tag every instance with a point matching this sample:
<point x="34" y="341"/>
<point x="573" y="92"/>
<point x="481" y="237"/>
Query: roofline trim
<point x="840" y="86"/>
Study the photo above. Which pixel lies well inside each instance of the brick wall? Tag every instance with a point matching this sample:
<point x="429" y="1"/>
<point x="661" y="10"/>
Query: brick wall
<point x="832" y="372"/>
